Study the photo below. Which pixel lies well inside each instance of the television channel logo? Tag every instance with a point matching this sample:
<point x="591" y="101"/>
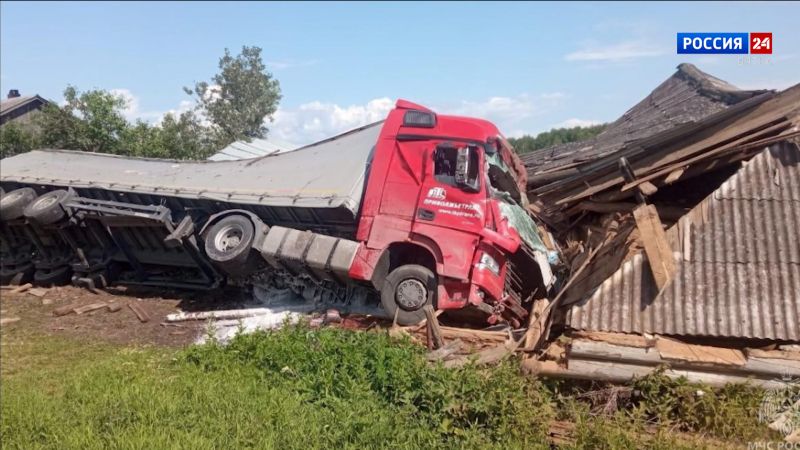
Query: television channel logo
<point x="725" y="43"/>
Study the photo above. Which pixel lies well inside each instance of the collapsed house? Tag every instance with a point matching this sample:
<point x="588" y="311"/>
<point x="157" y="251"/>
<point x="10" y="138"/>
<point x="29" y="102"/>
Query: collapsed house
<point x="716" y="297"/>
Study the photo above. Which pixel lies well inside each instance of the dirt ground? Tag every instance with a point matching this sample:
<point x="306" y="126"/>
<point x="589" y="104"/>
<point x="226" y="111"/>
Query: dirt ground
<point x="36" y="314"/>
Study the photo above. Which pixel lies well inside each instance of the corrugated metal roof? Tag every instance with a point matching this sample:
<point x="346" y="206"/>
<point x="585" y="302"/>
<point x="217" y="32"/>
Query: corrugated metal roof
<point x="687" y="96"/>
<point x="738" y="260"/>
<point x="253" y="149"/>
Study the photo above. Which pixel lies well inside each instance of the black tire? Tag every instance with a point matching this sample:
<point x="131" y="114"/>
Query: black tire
<point x="53" y="277"/>
<point x="406" y="291"/>
<point x="48" y="208"/>
<point x="12" y="204"/>
<point x="228" y="244"/>
<point x="7" y="274"/>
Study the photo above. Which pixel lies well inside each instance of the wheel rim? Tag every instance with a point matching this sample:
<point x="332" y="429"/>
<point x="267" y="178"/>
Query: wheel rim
<point x="45" y="201"/>
<point x="228" y="238"/>
<point x="411" y="294"/>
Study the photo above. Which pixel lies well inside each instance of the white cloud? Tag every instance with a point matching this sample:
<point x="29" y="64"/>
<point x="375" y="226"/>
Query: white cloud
<point x="133" y="111"/>
<point x="316" y="120"/>
<point x="623" y="51"/>
<point x="575" y="122"/>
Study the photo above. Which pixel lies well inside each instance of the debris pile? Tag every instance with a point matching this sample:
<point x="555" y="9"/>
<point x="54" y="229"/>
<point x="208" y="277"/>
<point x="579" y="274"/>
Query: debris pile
<point x="679" y="227"/>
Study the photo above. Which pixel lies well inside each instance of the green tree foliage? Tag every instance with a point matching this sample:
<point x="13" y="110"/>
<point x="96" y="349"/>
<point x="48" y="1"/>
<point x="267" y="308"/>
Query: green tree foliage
<point x="555" y="136"/>
<point x="91" y="121"/>
<point x="233" y="107"/>
<point x="239" y="97"/>
<point x="15" y="139"/>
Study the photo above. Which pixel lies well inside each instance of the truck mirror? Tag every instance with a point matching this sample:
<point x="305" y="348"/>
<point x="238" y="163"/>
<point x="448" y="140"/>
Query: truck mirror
<point x="467" y="169"/>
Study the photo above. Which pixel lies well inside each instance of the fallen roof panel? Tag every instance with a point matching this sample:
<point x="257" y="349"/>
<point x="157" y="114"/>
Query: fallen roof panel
<point x="738" y="264"/>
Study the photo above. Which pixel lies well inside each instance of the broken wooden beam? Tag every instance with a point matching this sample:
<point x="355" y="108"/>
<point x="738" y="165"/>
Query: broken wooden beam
<point x="434" y="331"/>
<point x="88" y="308"/>
<point x="64" y="310"/>
<point x="21" y="288"/>
<point x="140" y="313"/>
<point x="656" y="246"/>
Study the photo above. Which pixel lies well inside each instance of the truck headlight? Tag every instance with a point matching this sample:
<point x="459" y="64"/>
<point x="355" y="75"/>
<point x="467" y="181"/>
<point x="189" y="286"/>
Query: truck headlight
<point x="487" y="262"/>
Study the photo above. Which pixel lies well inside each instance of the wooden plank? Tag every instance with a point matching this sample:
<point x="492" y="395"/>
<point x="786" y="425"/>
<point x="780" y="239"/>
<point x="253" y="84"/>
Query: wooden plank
<point x="656" y="247"/>
<point x="616" y="372"/>
<point x="773" y="354"/>
<point x="707" y="154"/>
<point x="22" y="288"/>
<point x="94" y="306"/>
<point x="648" y="188"/>
<point x="140" y="313"/>
<point x="629" y="340"/>
<point x="672" y="350"/>
<point x="433" y="326"/>
<point x="114" y="307"/>
<point x="64" y="310"/>
<point x="674" y="175"/>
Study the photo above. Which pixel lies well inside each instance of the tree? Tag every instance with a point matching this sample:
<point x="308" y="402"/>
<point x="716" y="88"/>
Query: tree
<point x="239" y="98"/>
<point x="555" y="136"/>
<point x="15" y="139"/>
<point x="181" y="137"/>
<point x="91" y="121"/>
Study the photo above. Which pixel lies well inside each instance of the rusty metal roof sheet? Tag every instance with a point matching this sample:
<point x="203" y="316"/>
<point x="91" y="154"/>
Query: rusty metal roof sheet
<point x="738" y="260"/>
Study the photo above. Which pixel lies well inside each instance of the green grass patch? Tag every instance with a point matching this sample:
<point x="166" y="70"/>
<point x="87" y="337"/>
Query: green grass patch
<point x="298" y="388"/>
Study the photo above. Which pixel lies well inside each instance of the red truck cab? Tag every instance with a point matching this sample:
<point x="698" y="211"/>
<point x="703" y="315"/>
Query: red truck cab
<point x="432" y="226"/>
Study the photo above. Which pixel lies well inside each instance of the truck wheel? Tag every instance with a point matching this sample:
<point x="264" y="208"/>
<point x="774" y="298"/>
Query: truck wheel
<point x="7" y="274"/>
<point x="13" y="203"/>
<point x="48" y="208"/>
<point x="228" y="243"/>
<point x="53" y="277"/>
<point x="406" y="291"/>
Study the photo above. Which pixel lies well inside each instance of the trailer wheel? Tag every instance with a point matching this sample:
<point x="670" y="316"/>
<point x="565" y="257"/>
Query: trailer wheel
<point x="228" y="244"/>
<point x="53" y="277"/>
<point x="12" y="204"/>
<point x="406" y="291"/>
<point x="48" y="208"/>
<point x="8" y="273"/>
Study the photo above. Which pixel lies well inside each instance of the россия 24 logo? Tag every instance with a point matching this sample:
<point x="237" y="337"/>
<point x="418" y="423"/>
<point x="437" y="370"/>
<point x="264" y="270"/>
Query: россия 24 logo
<point x="725" y="43"/>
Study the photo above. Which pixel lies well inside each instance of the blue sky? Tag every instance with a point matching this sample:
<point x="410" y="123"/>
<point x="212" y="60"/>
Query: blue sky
<point x="526" y="66"/>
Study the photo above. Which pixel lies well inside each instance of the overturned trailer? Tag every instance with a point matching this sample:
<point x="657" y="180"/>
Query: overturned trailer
<point x="421" y="208"/>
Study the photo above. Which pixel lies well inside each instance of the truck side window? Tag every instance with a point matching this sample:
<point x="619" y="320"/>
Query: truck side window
<point x="445" y="161"/>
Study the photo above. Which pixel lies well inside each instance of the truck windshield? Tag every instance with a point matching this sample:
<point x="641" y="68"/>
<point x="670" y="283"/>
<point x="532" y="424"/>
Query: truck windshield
<point x="503" y="187"/>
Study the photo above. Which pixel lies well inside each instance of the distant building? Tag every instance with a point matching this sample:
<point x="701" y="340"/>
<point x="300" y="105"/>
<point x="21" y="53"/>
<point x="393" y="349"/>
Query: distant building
<point x="20" y="109"/>
<point x="253" y="149"/>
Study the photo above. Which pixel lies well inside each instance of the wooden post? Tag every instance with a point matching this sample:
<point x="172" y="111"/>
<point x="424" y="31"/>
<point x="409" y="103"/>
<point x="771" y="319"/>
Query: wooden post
<point x="656" y="247"/>
<point x="435" y="333"/>
<point x="535" y="324"/>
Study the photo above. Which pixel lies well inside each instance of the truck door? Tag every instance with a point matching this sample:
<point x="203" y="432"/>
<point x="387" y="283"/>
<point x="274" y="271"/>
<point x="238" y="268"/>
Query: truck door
<point x="453" y="195"/>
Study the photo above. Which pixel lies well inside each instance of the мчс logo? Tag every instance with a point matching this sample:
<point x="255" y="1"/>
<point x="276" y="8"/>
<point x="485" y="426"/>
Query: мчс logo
<point x="725" y="43"/>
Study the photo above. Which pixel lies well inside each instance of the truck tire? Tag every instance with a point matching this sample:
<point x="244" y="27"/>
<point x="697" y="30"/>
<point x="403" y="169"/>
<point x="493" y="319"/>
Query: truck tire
<point x="48" y="208"/>
<point x="12" y="204"/>
<point x="53" y="277"/>
<point x="406" y="290"/>
<point x="7" y="274"/>
<point x="228" y="244"/>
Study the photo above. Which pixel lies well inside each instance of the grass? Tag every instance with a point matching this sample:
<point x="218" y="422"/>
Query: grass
<point x="298" y="388"/>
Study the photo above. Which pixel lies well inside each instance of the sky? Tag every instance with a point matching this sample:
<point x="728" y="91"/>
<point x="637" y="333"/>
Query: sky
<point x="528" y="67"/>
